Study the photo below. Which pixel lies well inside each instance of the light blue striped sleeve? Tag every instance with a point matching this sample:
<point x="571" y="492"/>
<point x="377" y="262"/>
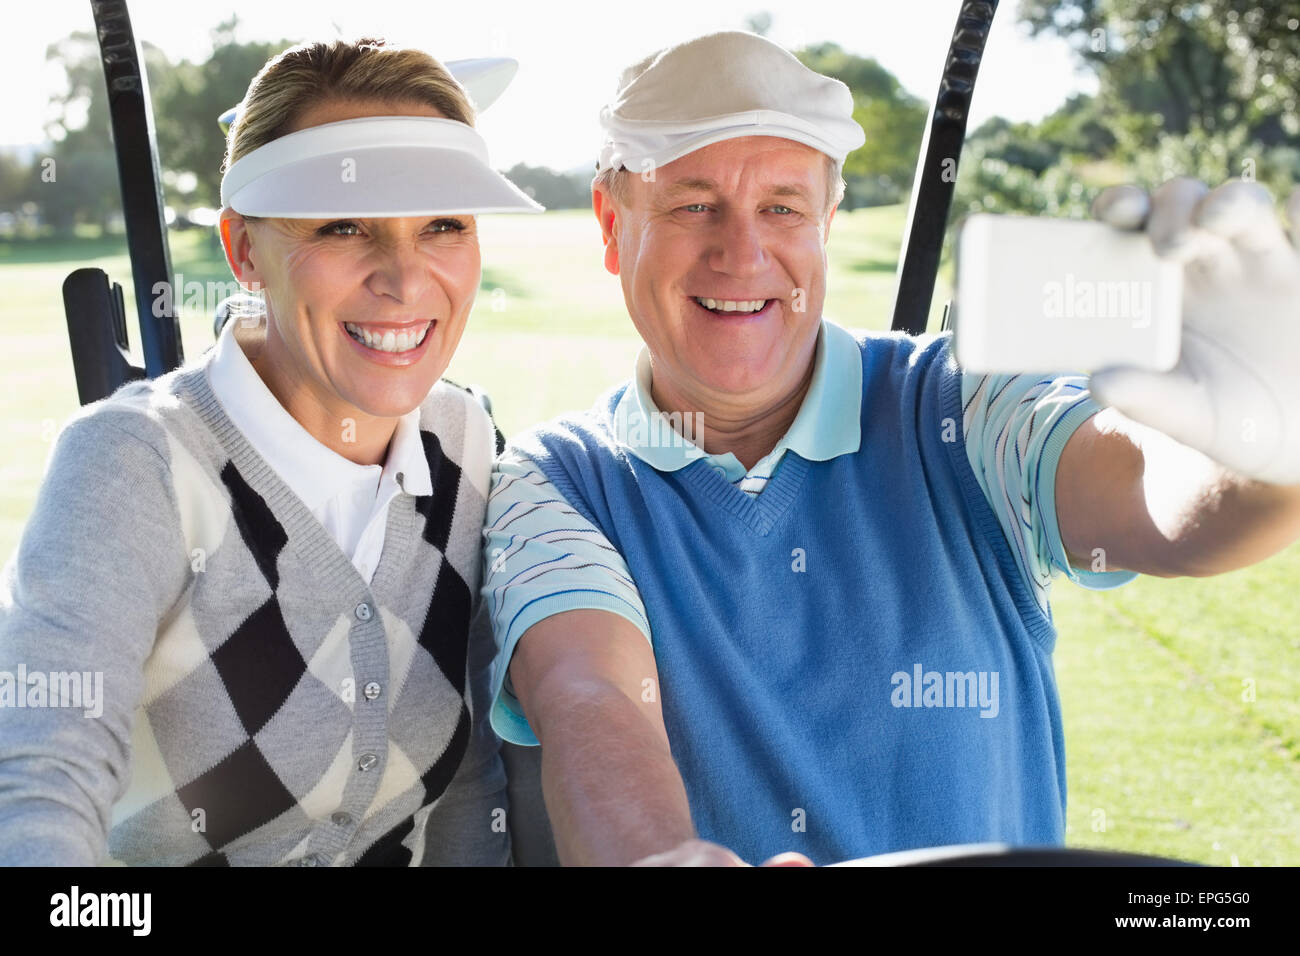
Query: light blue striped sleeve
<point x="1016" y="427"/>
<point x="541" y="558"/>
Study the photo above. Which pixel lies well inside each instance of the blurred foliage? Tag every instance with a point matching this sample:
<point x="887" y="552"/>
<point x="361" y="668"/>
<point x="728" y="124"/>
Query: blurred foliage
<point x="1213" y="65"/>
<point x="880" y="172"/>
<point x="553" y="190"/>
<point x="186" y="97"/>
<point x="77" y="180"/>
<point x="1207" y="90"/>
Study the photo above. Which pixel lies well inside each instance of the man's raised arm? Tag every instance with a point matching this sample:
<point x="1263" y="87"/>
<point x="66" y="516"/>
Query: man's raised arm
<point x="1132" y="498"/>
<point x="1196" y="471"/>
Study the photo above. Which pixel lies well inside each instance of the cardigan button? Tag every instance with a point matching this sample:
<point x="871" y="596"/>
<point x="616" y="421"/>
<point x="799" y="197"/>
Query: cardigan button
<point x="371" y="690"/>
<point x="363" y="612"/>
<point x="367" y="762"/>
<point x="341" y="819"/>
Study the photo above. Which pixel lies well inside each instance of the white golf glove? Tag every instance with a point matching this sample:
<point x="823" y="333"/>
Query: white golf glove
<point x="1232" y="393"/>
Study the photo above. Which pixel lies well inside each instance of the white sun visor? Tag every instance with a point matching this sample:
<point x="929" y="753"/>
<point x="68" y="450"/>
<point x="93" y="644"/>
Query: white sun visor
<point x="484" y="78"/>
<point x="372" y="166"/>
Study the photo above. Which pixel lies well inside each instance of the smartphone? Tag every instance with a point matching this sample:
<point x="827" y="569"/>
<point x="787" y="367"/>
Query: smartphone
<point x="1043" y="295"/>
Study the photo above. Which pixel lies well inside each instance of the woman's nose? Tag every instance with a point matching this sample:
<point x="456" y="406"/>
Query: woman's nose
<point x="401" y="272"/>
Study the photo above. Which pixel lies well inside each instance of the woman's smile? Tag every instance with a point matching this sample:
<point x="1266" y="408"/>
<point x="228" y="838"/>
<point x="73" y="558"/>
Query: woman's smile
<point x="390" y="344"/>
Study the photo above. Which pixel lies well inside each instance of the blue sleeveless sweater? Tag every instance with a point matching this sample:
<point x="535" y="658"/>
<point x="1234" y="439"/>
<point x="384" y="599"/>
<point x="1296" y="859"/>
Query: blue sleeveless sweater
<point x="850" y="663"/>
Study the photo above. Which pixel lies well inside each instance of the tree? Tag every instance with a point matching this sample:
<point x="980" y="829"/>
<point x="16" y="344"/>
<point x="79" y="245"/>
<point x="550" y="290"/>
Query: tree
<point x="19" y="182"/>
<point x="553" y="190"/>
<point x="1185" y="89"/>
<point x="189" y="99"/>
<point x="759" y="23"/>
<point x="186" y="99"/>
<point x="81" y="176"/>
<point x="1209" y="65"/>
<point x="893" y="120"/>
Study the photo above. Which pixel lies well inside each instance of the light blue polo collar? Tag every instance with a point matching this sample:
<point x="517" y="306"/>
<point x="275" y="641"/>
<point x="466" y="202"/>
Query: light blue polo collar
<point x="828" y="424"/>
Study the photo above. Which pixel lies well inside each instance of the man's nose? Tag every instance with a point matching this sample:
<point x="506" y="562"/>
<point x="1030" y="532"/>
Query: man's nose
<point x="739" y="249"/>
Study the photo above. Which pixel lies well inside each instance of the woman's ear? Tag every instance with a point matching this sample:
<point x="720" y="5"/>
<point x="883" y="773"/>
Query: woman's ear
<point x="238" y="246"/>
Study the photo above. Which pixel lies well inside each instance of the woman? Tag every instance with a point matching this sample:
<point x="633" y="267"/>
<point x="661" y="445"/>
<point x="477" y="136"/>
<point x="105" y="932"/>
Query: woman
<point x="270" y="558"/>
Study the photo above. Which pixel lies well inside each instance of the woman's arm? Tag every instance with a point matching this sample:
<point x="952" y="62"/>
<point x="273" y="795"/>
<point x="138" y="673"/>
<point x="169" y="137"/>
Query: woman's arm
<point x="81" y="599"/>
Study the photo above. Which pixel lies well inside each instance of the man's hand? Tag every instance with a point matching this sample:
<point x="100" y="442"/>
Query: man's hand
<point x="703" y="853"/>
<point x="1231" y="394"/>
<point x="1196" y="471"/>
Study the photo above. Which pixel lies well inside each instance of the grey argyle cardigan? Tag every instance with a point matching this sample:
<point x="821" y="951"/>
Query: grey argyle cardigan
<point x="261" y="704"/>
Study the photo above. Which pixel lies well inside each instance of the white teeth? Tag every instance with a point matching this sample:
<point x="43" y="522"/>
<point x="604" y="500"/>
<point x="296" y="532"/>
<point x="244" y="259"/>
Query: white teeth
<point x="731" y="305"/>
<point x="388" y="342"/>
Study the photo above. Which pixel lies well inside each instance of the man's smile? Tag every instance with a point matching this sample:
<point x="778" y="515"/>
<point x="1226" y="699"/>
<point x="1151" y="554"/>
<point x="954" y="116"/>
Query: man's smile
<point x="730" y="305"/>
<point x="733" y="308"/>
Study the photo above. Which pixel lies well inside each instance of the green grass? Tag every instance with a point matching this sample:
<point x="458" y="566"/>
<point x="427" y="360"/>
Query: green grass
<point x="1164" y="754"/>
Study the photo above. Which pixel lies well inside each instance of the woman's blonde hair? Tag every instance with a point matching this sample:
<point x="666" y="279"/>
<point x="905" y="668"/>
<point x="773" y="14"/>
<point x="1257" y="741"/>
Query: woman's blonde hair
<point x="294" y="81"/>
<point x="367" y="69"/>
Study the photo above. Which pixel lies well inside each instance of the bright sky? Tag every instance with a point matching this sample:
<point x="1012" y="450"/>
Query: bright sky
<point x="570" y="53"/>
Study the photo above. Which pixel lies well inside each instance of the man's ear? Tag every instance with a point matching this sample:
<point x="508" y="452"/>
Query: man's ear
<point x="606" y="210"/>
<point x="238" y="246"/>
<point x="827" y="228"/>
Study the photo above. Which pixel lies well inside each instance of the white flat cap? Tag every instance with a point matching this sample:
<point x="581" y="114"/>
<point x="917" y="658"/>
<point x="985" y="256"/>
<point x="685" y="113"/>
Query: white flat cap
<point x="719" y="87"/>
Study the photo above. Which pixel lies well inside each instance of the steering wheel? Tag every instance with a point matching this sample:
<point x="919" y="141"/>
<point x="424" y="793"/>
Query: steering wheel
<point x="1000" y="854"/>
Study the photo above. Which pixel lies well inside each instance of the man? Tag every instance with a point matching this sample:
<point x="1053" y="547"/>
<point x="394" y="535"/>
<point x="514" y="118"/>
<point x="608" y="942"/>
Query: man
<point x="811" y="616"/>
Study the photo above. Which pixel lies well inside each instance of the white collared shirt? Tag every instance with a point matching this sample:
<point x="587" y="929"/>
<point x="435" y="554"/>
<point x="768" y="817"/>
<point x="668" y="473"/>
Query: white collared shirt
<point x="350" y="500"/>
